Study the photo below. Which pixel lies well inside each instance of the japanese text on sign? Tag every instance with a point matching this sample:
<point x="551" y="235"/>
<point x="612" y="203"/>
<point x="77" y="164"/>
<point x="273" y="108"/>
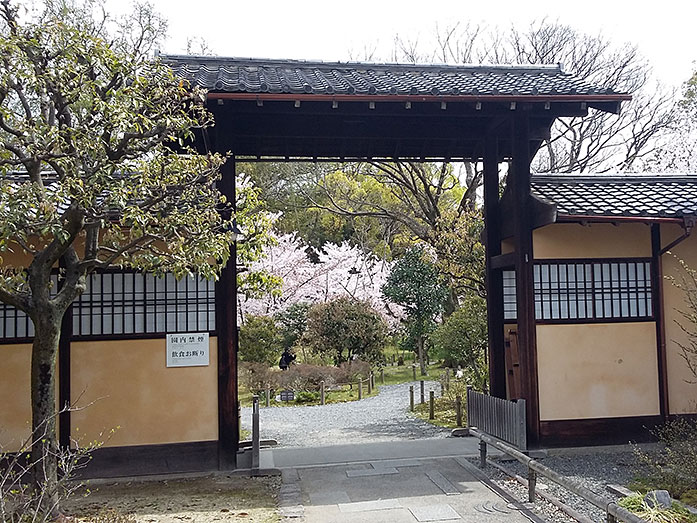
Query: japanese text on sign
<point x="187" y="350"/>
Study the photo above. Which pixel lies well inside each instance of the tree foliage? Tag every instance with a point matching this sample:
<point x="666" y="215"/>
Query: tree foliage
<point x="89" y="175"/>
<point x="345" y="328"/>
<point x="415" y="283"/>
<point x="260" y="340"/>
<point x="461" y="340"/>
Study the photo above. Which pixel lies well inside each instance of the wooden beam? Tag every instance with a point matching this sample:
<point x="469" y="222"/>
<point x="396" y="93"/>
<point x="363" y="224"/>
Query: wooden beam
<point x="659" y="315"/>
<point x="527" y="343"/>
<point x="226" y="323"/>
<point x="503" y="261"/>
<point x="494" y="277"/>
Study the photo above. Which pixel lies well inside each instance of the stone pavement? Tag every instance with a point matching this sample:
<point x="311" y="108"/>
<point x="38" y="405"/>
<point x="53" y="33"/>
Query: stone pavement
<point x="391" y="483"/>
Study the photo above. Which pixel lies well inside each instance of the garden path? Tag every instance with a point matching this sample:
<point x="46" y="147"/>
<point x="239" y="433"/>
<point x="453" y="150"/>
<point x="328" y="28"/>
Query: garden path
<point x="384" y="417"/>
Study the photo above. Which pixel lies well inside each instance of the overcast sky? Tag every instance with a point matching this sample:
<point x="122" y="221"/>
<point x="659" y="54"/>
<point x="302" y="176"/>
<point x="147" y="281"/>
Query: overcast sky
<point x="332" y="30"/>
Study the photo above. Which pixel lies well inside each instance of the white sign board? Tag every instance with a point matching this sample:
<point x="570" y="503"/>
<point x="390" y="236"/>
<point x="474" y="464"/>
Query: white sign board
<point x="188" y="350"/>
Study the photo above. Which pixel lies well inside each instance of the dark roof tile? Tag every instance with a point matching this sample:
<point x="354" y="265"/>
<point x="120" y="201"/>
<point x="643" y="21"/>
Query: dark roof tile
<point x="238" y="75"/>
<point x="671" y="196"/>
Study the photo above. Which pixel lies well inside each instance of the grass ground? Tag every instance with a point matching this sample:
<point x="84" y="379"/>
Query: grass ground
<point x="444" y="413"/>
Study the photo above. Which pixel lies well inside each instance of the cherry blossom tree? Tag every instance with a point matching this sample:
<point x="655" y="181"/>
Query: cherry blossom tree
<point x="343" y="270"/>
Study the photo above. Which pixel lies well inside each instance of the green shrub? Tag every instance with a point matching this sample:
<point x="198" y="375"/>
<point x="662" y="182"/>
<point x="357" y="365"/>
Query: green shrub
<point x="260" y="340"/>
<point x="305" y="396"/>
<point x="462" y="340"/>
<point x="674" y="466"/>
<point x="675" y="514"/>
<point x="344" y="328"/>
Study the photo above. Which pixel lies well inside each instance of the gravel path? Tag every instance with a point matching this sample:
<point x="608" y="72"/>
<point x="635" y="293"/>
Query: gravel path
<point x="384" y="417"/>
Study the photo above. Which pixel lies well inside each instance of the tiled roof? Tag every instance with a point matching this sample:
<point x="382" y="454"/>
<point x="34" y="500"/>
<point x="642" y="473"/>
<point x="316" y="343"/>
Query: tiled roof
<point x="632" y="195"/>
<point x="241" y="75"/>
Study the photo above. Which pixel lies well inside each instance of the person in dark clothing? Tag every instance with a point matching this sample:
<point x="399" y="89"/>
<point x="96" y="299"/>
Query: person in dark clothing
<point x="286" y="359"/>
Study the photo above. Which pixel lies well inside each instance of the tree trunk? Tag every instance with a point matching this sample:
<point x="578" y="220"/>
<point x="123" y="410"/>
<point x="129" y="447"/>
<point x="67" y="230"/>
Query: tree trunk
<point x="44" y="450"/>
<point x="422" y="360"/>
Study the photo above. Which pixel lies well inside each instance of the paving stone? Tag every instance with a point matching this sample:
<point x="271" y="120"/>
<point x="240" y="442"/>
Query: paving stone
<point x="296" y="511"/>
<point x="367" y="506"/>
<point x="443" y="483"/>
<point x="434" y="513"/>
<point x="371" y="472"/>
<point x="329" y="497"/>
<point x="393" y="463"/>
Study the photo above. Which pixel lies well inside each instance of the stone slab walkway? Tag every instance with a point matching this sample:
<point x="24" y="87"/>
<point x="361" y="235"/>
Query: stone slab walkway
<point x="421" y="490"/>
<point x="398" y="482"/>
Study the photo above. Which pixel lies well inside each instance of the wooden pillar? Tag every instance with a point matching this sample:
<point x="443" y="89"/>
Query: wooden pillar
<point x="527" y="346"/>
<point x="659" y="315"/>
<point x="494" y="277"/>
<point x="64" y="377"/>
<point x="226" y="323"/>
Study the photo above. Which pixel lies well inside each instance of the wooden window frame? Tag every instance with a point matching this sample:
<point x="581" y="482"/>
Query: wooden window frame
<point x="593" y="290"/>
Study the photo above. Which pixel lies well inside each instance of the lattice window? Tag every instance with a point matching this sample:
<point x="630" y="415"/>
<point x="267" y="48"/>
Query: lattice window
<point x="15" y="324"/>
<point x="586" y="291"/>
<point x="130" y="303"/>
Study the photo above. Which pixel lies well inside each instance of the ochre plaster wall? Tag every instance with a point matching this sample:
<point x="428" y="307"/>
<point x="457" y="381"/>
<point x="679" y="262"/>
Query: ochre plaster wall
<point x="597" y="370"/>
<point x="597" y="240"/>
<point x="15" y="395"/>
<point x="682" y="396"/>
<point x="126" y="384"/>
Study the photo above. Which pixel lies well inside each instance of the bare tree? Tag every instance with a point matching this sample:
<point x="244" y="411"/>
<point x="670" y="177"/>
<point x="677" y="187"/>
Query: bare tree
<point x="598" y="142"/>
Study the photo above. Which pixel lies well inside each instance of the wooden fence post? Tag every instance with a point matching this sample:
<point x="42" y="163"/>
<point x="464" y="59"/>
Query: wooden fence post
<point x="482" y="454"/>
<point x="423" y="392"/>
<point x="447" y="379"/>
<point x="360" y="388"/>
<point x="458" y="410"/>
<point x="413" y="371"/>
<point x="321" y="392"/>
<point x="370" y="384"/>
<point x="382" y="376"/>
<point x="256" y="440"/>
<point x="532" y="484"/>
<point x="431" y="407"/>
<point x="268" y="395"/>
<point x="411" y="398"/>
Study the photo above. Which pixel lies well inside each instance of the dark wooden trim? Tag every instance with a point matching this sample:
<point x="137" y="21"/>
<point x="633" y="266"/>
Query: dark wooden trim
<point x="226" y="322"/>
<point x="139" y="460"/>
<point x="519" y="178"/>
<point x="590" y="218"/>
<point x="503" y="261"/>
<point x="598" y="431"/>
<point x="64" y="374"/>
<point x="494" y="278"/>
<point x="126" y="337"/>
<point x="419" y="98"/>
<point x="550" y="261"/>
<point x="592" y="321"/>
<point x="64" y="379"/>
<point x="659" y="315"/>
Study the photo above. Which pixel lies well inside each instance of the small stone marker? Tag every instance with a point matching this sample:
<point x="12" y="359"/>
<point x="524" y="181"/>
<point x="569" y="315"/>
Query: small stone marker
<point x="321" y="392"/>
<point x="458" y="410"/>
<point x="658" y="499"/>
